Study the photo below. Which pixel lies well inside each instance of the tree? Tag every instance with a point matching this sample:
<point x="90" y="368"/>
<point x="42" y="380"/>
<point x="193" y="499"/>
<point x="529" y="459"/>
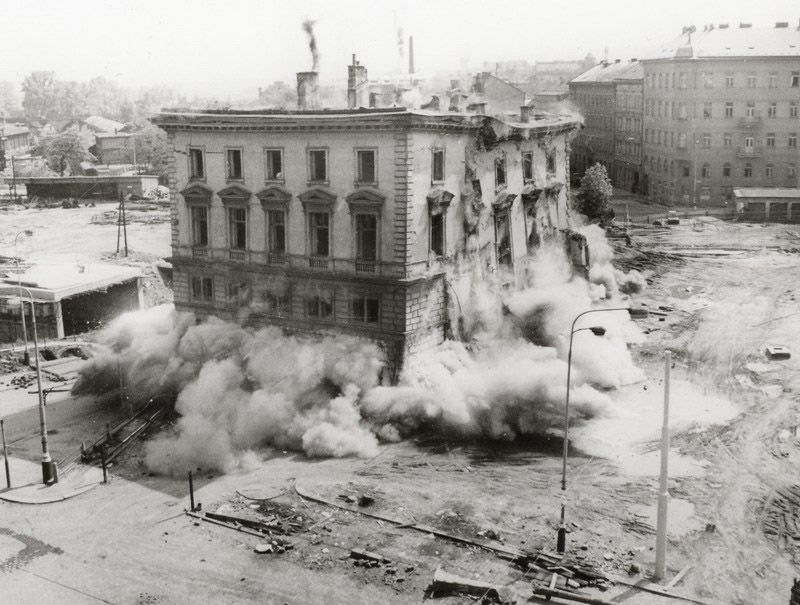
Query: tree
<point x="40" y="95"/>
<point x="8" y="99"/>
<point x="62" y="151"/>
<point x="151" y="149"/>
<point x="595" y="193"/>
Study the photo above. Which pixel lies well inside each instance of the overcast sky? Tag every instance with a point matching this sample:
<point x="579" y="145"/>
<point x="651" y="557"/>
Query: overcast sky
<point x="229" y="48"/>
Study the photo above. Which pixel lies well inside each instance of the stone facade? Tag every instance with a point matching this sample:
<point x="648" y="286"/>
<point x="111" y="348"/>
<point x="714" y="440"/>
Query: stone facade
<point x="405" y="198"/>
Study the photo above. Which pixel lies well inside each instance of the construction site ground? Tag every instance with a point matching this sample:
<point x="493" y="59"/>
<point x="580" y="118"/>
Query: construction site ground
<point x="722" y="291"/>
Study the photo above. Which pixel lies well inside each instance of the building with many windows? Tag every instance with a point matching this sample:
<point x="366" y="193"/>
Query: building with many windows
<point x="356" y="220"/>
<point x="721" y="111"/>
<point x="609" y="97"/>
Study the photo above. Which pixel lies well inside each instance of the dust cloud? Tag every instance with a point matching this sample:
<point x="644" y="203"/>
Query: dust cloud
<point x="240" y="389"/>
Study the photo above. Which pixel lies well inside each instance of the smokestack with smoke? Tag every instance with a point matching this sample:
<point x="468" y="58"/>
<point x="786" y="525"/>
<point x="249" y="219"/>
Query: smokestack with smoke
<point x="239" y="389"/>
<point x="308" y="27"/>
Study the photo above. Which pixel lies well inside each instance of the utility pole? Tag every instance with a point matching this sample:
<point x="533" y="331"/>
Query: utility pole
<point x="122" y="227"/>
<point x="663" y="490"/>
<point x="13" y="178"/>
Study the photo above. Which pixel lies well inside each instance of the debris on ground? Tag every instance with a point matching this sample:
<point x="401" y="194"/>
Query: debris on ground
<point x="445" y="584"/>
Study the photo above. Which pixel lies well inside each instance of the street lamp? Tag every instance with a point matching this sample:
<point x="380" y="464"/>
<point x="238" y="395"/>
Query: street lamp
<point x="49" y="469"/>
<point x="27" y="233"/>
<point x="597" y="331"/>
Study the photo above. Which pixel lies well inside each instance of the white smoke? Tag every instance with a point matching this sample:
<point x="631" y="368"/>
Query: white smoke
<point x="239" y="389"/>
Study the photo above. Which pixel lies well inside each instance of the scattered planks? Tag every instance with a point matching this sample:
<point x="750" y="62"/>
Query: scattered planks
<point x="782" y="517"/>
<point x="246" y="526"/>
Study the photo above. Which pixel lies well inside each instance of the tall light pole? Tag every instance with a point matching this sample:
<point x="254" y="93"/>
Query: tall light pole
<point x="26" y="233"/>
<point x="49" y="470"/>
<point x="597" y="331"/>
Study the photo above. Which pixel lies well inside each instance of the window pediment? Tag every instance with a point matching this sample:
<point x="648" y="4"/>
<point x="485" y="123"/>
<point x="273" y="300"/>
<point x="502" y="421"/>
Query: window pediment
<point x="198" y="192"/>
<point x="531" y="193"/>
<point x="318" y="196"/>
<point x="275" y="196"/>
<point x="234" y="193"/>
<point x="366" y="198"/>
<point x="439" y="199"/>
<point x="504" y="200"/>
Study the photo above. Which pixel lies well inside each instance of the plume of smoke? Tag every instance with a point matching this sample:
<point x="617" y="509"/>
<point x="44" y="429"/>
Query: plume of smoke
<point x="308" y="27"/>
<point x="240" y="389"/>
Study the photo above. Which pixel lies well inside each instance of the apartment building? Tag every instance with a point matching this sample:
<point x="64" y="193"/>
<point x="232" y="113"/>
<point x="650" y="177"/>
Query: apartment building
<point x="721" y="111"/>
<point x="355" y="220"/>
<point x="609" y="97"/>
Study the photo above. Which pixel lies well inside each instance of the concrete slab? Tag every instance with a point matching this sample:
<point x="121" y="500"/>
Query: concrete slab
<point x="27" y="487"/>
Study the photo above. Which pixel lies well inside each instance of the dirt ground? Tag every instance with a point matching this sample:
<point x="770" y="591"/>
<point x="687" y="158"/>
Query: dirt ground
<point x="722" y="290"/>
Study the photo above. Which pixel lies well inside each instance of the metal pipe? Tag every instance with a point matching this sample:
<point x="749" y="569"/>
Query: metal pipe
<point x="27" y="357"/>
<point x="5" y="453"/>
<point x="663" y="490"/>
<point x="191" y="492"/>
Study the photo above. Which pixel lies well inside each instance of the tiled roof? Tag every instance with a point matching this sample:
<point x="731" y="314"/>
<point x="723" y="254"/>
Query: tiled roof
<point x="102" y="124"/>
<point x="608" y="72"/>
<point x="733" y="41"/>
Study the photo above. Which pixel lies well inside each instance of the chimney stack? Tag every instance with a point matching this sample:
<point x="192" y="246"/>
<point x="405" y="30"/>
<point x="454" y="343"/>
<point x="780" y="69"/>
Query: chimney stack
<point x="307" y="90"/>
<point x="357" y="89"/>
<point x="525" y="113"/>
<point x="411" y="55"/>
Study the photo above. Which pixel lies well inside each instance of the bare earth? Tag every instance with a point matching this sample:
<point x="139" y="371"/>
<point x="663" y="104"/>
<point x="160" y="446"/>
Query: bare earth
<point x="734" y="450"/>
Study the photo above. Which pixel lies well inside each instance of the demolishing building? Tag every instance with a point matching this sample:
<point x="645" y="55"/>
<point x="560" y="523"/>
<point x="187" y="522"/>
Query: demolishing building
<point x="354" y="220"/>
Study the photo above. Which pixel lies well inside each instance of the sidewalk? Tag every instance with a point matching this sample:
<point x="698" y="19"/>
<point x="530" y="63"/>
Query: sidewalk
<point x="27" y="487"/>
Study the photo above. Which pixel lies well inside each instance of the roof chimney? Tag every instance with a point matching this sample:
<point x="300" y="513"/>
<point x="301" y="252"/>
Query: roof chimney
<point x="307" y="90"/>
<point x="525" y="113"/>
<point x="745" y="25"/>
<point x="357" y="85"/>
<point x="411" y="55"/>
<point x="723" y="26"/>
<point x="782" y="24"/>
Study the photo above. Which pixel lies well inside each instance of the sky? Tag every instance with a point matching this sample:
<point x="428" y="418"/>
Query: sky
<point x="227" y="49"/>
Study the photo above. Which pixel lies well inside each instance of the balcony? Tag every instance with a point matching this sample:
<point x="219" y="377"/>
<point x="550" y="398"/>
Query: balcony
<point x="299" y="263"/>
<point x="749" y="152"/>
<point x="750" y="122"/>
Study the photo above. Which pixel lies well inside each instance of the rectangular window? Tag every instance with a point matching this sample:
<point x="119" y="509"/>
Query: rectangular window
<point x="365" y="159"/>
<point x="437" y="171"/>
<point x="682" y="80"/>
<point x="726" y="170"/>
<point x="729" y="109"/>
<point x="749" y="142"/>
<point x="750" y="112"/>
<point x="795" y="79"/>
<point x="237" y="224"/>
<point x="502" y="235"/>
<point x="729" y="80"/>
<point x="320" y="307"/>
<point x="748" y="171"/>
<point x="770" y="139"/>
<point x="790" y="171"/>
<point x="751" y="80"/>
<point x="527" y="166"/>
<point x="274" y="167"/>
<point x="685" y="170"/>
<point x="793" y="109"/>
<point x="499" y="172"/>
<point x="366" y="237"/>
<point x="202" y="289"/>
<point x="318" y="165"/>
<point x="278" y="304"/>
<point x="437" y="234"/>
<point x="233" y="164"/>
<point x="708" y="80"/>
<point x="366" y="309"/>
<point x="551" y="163"/>
<point x="769" y="171"/>
<point x="199" y="225"/>
<point x="277" y="231"/>
<point x="793" y="140"/>
<point x="773" y="80"/>
<point x="319" y="230"/>
<point x="706" y="110"/>
<point x="772" y="110"/>
<point x="706" y="139"/>
<point x="197" y="166"/>
<point x="727" y="139"/>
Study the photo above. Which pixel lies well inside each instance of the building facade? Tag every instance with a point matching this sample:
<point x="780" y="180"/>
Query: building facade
<point x="355" y="221"/>
<point x="115" y="148"/>
<point x="721" y="111"/>
<point x="608" y="97"/>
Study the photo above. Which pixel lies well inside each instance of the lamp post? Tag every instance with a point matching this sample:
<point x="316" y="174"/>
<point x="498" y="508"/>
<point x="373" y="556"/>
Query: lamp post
<point x="26" y="233"/>
<point x="49" y="470"/>
<point x="597" y="331"/>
